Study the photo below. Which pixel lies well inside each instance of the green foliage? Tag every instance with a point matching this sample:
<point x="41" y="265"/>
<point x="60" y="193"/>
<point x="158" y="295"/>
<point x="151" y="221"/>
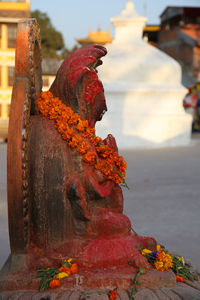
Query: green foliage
<point x="136" y="282"/>
<point x="46" y="276"/>
<point x="67" y="52"/>
<point x="180" y="268"/>
<point x="51" y="39"/>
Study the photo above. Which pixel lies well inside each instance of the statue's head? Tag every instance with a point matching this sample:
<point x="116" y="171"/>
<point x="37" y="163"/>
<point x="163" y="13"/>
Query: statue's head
<point x="77" y="83"/>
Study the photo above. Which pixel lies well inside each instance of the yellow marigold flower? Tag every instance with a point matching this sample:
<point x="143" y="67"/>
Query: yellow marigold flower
<point x="164" y="262"/>
<point x="68" y="260"/>
<point x="159" y="265"/>
<point x="158" y="248"/>
<point x="182" y="260"/>
<point x="179" y="258"/>
<point x="61" y="275"/>
<point x="168" y="265"/>
<point x="146" y="251"/>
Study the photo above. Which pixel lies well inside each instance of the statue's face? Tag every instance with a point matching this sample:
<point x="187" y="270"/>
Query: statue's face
<point x="92" y="100"/>
<point x="78" y="86"/>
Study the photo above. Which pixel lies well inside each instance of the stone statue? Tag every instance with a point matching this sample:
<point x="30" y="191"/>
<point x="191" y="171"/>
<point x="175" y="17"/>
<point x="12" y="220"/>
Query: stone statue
<point x="74" y="206"/>
<point x="59" y="205"/>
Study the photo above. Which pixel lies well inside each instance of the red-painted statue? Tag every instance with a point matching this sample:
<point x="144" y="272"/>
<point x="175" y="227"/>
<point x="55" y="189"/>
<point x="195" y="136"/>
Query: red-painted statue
<point x="79" y="207"/>
<point x="64" y="196"/>
<point x="76" y="201"/>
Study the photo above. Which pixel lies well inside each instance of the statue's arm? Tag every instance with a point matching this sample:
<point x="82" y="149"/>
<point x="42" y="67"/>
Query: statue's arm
<point x="77" y="197"/>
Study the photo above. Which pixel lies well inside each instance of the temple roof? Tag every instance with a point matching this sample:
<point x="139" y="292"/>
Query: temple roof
<point x="152" y="28"/>
<point x="98" y="37"/>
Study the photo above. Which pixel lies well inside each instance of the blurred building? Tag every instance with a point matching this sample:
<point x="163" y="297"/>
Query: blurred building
<point x="96" y="37"/>
<point x="179" y="37"/>
<point x="50" y="67"/>
<point x="10" y="13"/>
<point x="150" y="33"/>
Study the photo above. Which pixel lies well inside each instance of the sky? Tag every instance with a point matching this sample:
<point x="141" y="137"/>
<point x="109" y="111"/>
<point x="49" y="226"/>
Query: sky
<point x="73" y="18"/>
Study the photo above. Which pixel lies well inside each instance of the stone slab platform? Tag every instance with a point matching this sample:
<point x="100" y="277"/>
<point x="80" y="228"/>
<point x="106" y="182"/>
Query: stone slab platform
<point x="182" y="291"/>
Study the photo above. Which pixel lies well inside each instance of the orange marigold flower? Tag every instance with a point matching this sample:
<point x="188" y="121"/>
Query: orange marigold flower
<point x="164" y="261"/>
<point x="89" y="157"/>
<point x="102" y="148"/>
<point x="74" y="268"/>
<point x="73" y="119"/>
<point x="116" y="178"/>
<point x="68" y="133"/>
<point x="67" y="112"/>
<point x="60" y="126"/>
<point x="113" y="295"/>
<point x="96" y="140"/>
<point x="180" y="279"/>
<point x="82" y="125"/>
<point x="85" y="124"/>
<point x="159" y="265"/>
<point x="47" y="94"/>
<point x="61" y="269"/>
<point x="104" y="167"/>
<point x="65" y="269"/>
<point x="82" y="149"/>
<point x="54" y="283"/>
<point x="89" y="133"/>
<point x="75" y="141"/>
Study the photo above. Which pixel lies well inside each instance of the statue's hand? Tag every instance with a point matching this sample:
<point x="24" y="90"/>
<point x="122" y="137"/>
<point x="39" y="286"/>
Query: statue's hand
<point x="141" y="261"/>
<point x="77" y="197"/>
<point x="111" y="142"/>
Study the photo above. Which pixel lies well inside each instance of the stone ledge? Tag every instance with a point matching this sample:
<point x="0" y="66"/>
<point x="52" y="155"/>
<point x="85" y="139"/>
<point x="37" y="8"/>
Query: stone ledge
<point x="121" y="278"/>
<point x="182" y="291"/>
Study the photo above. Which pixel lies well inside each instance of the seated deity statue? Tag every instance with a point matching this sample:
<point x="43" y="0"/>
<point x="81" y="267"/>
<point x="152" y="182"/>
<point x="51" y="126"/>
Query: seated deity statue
<point x="64" y="182"/>
<point x="75" y="176"/>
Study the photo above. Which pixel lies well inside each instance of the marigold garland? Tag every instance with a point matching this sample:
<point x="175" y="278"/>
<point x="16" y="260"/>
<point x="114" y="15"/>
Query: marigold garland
<point x="51" y="277"/>
<point x="162" y="260"/>
<point x="80" y="136"/>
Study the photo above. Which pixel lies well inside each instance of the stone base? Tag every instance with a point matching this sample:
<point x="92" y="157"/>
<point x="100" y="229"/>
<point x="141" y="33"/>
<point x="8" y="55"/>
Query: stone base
<point x="106" y="278"/>
<point x="90" y="284"/>
<point x="182" y="291"/>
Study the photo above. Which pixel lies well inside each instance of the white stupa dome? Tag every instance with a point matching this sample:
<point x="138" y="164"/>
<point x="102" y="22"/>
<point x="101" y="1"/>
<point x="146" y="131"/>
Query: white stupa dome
<point x="131" y="62"/>
<point x="143" y="89"/>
